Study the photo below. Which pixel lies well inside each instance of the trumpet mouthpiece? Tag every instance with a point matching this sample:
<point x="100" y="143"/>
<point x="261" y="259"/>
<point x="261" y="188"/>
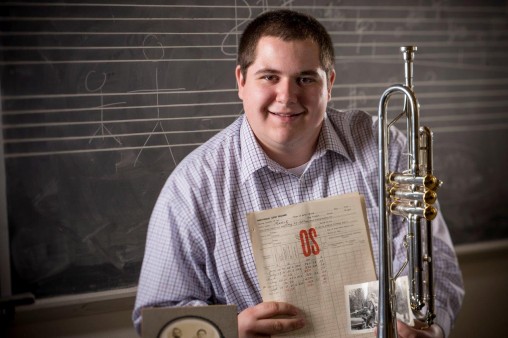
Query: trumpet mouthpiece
<point x="410" y="49"/>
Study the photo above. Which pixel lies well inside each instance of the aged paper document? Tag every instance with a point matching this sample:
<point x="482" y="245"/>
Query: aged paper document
<point x="307" y="253"/>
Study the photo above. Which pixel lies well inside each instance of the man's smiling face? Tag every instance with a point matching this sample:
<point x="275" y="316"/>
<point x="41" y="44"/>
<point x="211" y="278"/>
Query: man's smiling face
<point x="285" y="93"/>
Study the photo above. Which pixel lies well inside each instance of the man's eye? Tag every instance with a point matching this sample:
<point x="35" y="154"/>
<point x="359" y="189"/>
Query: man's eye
<point x="306" y="80"/>
<point x="269" y="77"/>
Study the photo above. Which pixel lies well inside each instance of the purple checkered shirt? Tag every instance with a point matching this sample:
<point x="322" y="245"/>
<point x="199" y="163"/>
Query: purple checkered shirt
<point x="198" y="248"/>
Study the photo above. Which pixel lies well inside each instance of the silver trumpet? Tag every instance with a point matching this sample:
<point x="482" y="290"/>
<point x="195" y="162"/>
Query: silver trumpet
<point x="409" y="194"/>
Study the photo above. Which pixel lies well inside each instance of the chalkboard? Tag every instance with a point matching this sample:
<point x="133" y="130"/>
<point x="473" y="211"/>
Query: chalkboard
<point x="101" y="100"/>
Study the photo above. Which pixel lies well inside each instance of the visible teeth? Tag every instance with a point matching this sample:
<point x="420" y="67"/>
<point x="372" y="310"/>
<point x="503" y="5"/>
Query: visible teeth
<point x="284" y="114"/>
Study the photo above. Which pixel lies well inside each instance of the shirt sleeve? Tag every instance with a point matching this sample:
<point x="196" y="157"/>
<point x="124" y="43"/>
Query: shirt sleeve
<point x="448" y="283"/>
<point x="174" y="265"/>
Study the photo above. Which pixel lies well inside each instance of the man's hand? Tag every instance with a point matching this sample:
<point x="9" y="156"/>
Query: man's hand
<point x="418" y="331"/>
<point x="269" y="318"/>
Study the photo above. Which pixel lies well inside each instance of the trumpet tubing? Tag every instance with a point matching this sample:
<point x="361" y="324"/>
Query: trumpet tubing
<point x="411" y="195"/>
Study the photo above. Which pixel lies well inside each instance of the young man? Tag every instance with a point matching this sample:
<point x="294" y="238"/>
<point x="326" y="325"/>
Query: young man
<point x="287" y="148"/>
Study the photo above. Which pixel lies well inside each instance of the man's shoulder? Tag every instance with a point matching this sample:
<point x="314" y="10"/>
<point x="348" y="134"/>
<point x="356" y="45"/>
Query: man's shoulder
<point x="348" y="118"/>
<point x="204" y="170"/>
<point x="218" y="151"/>
<point x="352" y="126"/>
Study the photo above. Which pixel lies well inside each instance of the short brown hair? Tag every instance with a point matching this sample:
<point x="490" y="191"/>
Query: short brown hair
<point x="287" y="25"/>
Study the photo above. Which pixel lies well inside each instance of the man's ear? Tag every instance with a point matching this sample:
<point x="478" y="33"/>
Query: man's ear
<point x="240" y="81"/>
<point x="331" y="80"/>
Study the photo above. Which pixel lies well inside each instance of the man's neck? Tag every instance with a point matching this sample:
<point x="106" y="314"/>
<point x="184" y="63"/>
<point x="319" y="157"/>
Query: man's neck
<point x="291" y="157"/>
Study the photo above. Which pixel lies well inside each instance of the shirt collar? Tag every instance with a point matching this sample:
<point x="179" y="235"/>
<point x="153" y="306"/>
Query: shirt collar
<point x="329" y="140"/>
<point x="253" y="156"/>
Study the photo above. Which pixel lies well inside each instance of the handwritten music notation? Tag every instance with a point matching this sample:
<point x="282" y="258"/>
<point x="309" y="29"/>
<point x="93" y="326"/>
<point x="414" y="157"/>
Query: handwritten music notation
<point x="164" y="74"/>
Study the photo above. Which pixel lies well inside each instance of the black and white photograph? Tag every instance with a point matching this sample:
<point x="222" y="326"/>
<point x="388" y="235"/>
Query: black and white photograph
<point x="362" y="305"/>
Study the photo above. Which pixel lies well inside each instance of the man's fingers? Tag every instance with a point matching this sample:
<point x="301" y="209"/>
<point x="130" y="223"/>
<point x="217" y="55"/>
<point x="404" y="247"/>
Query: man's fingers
<point x="419" y="331"/>
<point x="269" y="318"/>
<point x="279" y="325"/>
<point x="278" y="317"/>
<point x="272" y="309"/>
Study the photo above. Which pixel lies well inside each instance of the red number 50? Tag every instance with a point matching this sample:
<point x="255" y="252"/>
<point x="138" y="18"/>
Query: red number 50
<point x="308" y="240"/>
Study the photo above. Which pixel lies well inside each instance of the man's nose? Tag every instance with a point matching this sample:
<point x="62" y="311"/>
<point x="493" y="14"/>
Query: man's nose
<point x="287" y="91"/>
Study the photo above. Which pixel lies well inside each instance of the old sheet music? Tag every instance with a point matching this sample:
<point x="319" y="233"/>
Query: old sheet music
<point x="306" y="253"/>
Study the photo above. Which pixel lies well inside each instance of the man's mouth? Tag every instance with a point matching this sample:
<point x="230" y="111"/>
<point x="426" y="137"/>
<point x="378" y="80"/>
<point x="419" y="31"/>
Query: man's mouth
<point x="285" y="115"/>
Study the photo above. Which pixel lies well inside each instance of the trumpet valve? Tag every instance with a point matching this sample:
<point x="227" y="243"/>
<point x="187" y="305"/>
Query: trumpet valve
<point x="425" y="197"/>
<point x="427" y="181"/>
<point x="406" y="210"/>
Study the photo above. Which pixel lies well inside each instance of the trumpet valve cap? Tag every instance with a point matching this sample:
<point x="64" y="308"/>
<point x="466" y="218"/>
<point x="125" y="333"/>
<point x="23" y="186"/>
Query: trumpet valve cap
<point x="430" y="197"/>
<point x="431" y="182"/>
<point x="430" y="213"/>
